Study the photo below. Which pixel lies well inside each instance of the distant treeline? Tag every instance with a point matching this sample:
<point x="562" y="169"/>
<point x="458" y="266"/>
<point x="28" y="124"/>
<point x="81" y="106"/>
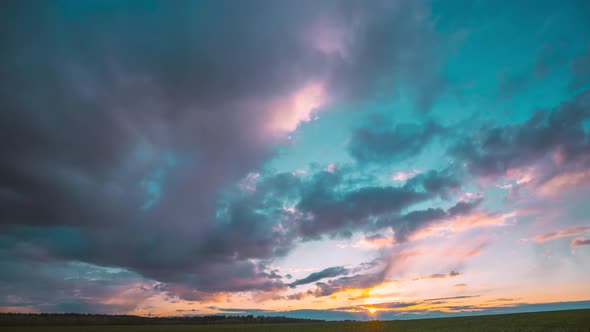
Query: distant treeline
<point x="12" y="319"/>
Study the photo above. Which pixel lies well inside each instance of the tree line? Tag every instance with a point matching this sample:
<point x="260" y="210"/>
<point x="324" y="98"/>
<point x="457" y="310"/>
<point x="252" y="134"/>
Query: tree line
<point x="15" y="319"/>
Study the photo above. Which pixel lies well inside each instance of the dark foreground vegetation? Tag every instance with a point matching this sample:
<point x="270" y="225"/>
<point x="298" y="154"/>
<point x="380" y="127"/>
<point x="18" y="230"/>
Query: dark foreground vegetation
<point x="569" y="320"/>
<point x="11" y="319"/>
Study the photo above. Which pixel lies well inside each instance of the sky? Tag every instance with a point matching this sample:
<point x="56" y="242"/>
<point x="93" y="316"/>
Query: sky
<point x="332" y="159"/>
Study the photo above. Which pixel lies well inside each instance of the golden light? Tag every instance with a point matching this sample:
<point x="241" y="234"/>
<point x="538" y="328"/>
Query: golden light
<point x="372" y="311"/>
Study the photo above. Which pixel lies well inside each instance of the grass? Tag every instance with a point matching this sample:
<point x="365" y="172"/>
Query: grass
<point x="569" y="320"/>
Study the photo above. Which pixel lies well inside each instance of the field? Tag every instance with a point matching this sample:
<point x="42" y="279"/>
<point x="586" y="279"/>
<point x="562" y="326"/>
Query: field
<point x="570" y="320"/>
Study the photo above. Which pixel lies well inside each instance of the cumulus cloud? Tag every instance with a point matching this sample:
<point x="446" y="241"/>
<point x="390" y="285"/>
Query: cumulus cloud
<point x="135" y="140"/>
<point x="558" y="135"/>
<point x="134" y="122"/>
<point x="412" y="222"/>
<point x="333" y="209"/>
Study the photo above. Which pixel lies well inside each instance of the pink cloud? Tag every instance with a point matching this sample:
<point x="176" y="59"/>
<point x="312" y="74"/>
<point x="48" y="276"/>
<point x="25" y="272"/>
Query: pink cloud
<point x="404" y="176"/>
<point x="249" y="183"/>
<point x="481" y="218"/>
<point x="462" y="251"/>
<point x="331" y="167"/>
<point x="465" y="222"/>
<point x="288" y="112"/>
<point x="521" y="175"/>
<point x="19" y="309"/>
<point x="560" y="234"/>
<point x="329" y="37"/>
<point x="565" y="181"/>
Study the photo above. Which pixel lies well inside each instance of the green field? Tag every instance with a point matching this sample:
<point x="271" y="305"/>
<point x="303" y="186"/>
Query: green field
<point x="570" y="320"/>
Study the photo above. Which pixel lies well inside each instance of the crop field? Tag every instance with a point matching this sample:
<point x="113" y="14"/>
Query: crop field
<point x="570" y="320"/>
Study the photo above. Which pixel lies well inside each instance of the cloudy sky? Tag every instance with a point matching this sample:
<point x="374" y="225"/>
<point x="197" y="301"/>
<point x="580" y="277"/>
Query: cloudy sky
<point x="328" y="159"/>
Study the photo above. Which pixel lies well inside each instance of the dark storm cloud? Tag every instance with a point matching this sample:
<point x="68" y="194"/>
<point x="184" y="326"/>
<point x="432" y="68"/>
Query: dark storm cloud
<point x="333" y="209"/>
<point x="124" y="123"/>
<point x="411" y="222"/>
<point x="463" y="207"/>
<point x="580" y="242"/>
<point x="381" y="145"/>
<point x="324" y="203"/>
<point x="69" y="287"/>
<point x="492" y="151"/>
<point x="330" y="272"/>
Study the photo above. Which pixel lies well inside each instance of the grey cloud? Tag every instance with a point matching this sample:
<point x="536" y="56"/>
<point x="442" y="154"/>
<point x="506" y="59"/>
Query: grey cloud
<point x="357" y="281"/>
<point x="371" y="274"/>
<point x="580" y="242"/>
<point x="411" y="222"/>
<point x="70" y="287"/>
<point x="333" y="209"/>
<point x="463" y="207"/>
<point x="441" y="275"/>
<point x="108" y="107"/>
<point x="325" y="273"/>
<point x="491" y="151"/>
<point x="375" y="144"/>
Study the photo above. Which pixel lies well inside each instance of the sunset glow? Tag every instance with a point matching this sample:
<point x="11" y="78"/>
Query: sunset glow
<point x="325" y="159"/>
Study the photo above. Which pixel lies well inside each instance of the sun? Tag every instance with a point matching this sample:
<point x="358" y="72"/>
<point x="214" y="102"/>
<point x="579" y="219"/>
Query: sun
<point x="372" y="311"/>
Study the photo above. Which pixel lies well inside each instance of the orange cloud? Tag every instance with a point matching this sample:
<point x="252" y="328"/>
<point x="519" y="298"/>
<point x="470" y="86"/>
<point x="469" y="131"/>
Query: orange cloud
<point x="564" y="181"/>
<point x="464" y="222"/>
<point x="562" y="233"/>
